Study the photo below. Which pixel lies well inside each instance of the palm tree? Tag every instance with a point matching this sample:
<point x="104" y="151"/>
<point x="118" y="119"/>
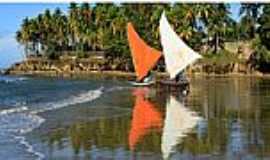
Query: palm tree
<point x="264" y="26"/>
<point x="250" y="13"/>
<point x="22" y="36"/>
<point x="59" y="29"/>
<point x="217" y="25"/>
<point x="73" y="24"/>
<point x="103" y="27"/>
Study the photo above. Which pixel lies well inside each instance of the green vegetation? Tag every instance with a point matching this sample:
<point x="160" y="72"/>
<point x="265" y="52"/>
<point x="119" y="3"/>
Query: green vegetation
<point x="224" y="57"/>
<point x="88" y="28"/>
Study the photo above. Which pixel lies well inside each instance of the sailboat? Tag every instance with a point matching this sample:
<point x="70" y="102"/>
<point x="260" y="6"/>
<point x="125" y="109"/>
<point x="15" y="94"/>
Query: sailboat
<point x="144" y="58"/>
<point x="145" y="117"/>
<point x="177" y="54"/>
<point x="179" y="120"/>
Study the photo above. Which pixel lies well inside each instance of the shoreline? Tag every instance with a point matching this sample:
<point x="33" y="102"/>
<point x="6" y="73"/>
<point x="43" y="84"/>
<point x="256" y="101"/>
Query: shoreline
<point x="127" y="75"/>
<point x="88" y="67"/>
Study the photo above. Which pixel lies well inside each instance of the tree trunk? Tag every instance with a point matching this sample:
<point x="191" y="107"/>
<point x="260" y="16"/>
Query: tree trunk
<point x="216" y="43"/>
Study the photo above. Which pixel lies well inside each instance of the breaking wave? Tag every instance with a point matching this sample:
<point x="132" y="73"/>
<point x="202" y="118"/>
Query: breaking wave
<point x="80" y="98"/>
<point x="29" y="147"/>
<point x="13" y="110"/>
<point x="8" y="79"/>
<point x="15" y="123"/>
<point x="22" y="120"/>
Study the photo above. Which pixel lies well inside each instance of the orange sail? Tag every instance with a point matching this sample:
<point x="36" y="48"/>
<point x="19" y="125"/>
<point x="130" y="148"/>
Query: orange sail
<point x="144" y="118"/>
<point x="144" y="57"/>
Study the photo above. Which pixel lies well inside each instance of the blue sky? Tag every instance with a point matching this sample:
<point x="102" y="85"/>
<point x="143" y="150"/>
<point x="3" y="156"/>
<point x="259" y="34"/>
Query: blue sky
<point x="11" y="16"/>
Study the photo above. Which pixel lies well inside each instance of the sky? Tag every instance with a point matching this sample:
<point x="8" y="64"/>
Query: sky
<point x="11" y="16"/>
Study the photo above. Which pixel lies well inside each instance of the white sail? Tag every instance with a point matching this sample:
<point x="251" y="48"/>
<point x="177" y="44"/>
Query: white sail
<point x="177" y="54"/>
<point x="178" y="122"/>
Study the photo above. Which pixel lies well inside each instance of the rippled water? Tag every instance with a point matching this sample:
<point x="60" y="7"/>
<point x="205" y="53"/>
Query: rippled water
<point x="53" y="118"/>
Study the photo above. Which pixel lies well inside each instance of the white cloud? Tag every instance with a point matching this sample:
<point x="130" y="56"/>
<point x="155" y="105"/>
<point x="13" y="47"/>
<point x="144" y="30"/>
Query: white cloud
<point x="10" y="50"/>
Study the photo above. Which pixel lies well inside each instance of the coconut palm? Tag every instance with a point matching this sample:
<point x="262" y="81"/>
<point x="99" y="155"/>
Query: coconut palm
<point x="250" y="13"/>
<point x="103" y="27"/>
<point x="264" y="26"/>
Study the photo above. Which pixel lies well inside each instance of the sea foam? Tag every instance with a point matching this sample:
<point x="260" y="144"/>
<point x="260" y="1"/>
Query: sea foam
<point x="13" y="110"/>
<point x="29" y="148"/>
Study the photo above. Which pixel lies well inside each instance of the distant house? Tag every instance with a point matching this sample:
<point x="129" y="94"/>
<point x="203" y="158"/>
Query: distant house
<point x="88" y="54"/>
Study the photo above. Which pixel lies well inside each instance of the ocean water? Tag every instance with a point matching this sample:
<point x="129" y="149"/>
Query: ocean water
<point x="95" y="118"/>
<point x="24" y="99"/>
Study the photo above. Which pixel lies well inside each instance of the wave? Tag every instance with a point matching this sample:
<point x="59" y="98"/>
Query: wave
<point x="22" y="120"/>
<point x="80" y="98"/>
<point x="13" y="110"/>
<point x="8" y="79"/>
<point x="18" y="122"/>
<point x="29" y="147"/>
<point x="118" y="88"/>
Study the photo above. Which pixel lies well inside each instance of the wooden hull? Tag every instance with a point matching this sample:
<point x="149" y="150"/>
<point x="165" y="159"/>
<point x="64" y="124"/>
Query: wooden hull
<point x="172" y="86"/>
<point x="138" y="84"/>
<point x="163" y="86"/>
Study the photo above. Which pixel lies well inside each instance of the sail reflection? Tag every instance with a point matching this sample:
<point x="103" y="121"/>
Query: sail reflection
<point x="145" y="117"/>
<point x="179" y="120"/>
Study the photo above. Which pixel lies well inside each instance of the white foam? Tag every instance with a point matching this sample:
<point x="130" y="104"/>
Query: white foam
<point x="19" y="123"/>
<point x="117" y="88"/>
<point x="16" y="123"/>
<point x="22" y="78"/>
<point x="29" y="147"/>
<point x="7" y="79"/>
<point x="13" y="110"/>
<point x="21" y="120"/>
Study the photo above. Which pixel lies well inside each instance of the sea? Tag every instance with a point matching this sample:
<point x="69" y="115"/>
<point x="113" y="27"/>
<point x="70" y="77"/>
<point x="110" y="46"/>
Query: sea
<point x="60" y="118"/>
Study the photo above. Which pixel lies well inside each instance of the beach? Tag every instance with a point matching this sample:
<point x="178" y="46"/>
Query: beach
<point x="69" y="77"/>
<point x="106" y="118"/>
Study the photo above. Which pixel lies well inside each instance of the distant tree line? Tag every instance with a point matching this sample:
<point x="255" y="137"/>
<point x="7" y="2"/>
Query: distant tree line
<point x="102" y="27"/>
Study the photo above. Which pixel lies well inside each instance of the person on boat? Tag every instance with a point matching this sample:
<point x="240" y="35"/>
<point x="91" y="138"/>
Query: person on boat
<point x="180" y="77"/>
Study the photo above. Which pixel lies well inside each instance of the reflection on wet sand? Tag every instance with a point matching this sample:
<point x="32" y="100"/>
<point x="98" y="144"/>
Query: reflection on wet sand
<point x="145" y="117"/>
<point x="178" y="122"/>
<point x="234" y="125"/>
<point x="150" y="128"/>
